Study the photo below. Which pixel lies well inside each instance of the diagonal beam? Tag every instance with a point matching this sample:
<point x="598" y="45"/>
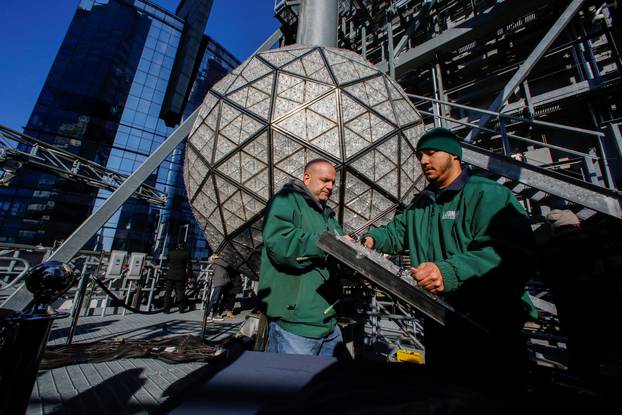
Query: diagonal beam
<point x="585" y="194"/>
<point x="414" y="25"/>
<point x="267" y="44"/>
<point x="528" y="65"/>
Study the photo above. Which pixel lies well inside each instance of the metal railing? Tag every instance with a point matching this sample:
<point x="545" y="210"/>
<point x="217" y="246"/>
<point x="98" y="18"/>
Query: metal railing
<point x="503" y="119"/>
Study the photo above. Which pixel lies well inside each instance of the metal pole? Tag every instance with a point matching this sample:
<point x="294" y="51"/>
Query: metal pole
<point x="77" y="306"/>
<point x="317" y="23"/>
<point x="364" y="41"/>
<point x="436" y="108"/>
<point x="391" y="58"/>
<point x="528" y="65"/>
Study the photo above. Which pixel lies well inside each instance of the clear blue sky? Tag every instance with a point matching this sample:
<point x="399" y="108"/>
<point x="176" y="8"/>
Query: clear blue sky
<point x="32" y="31"/>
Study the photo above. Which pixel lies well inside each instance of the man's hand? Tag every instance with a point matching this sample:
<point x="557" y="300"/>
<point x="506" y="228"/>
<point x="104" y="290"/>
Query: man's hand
<point x="428" y="277"/>
<point x="368" y="241"/>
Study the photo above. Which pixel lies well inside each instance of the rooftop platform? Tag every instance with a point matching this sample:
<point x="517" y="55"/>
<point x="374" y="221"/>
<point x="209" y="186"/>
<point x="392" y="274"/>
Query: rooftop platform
<point x="124" y="386"/>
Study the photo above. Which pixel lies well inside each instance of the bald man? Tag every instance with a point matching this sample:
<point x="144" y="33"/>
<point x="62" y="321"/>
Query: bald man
<point x="297" y="286"/>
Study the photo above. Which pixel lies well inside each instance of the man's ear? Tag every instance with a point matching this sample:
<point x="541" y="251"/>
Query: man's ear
<point x="305" y="177"/>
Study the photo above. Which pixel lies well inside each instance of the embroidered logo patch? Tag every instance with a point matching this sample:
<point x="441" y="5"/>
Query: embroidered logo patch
<point x="450" y="214"/>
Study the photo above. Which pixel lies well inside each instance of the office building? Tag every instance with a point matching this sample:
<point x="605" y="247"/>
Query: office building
<point x="118" y="86"/>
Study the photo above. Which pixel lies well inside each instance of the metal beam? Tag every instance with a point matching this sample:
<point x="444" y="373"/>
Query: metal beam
<point x="269" y="41"/>
<point x="317" y="23"/>
<point x="585" y="194"/>
<point x="414" y="25"/>
<point x="528" y="65"/>
<point x="89" y="227"/>
<point x="391" y="56"/>
<point x="473" y="29"/>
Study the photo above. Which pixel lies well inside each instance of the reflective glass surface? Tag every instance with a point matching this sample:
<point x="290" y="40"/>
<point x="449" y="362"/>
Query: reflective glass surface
<point x="102" y="101"/>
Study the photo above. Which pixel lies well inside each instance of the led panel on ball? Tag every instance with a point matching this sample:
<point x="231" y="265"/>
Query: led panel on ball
<point x="262" y="123"/>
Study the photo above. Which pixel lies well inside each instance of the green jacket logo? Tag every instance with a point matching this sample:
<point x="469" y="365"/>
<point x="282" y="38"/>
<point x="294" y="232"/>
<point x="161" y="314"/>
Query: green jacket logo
<point x="450" y="214"/>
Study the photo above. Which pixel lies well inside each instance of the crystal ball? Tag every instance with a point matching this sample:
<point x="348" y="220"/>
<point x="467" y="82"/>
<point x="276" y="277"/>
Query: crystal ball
<point x="262" y="123"/>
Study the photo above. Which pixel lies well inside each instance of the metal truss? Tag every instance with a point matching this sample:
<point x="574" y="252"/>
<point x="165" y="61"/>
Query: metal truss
<point x="50" y="159"/>
<point x="72" y="245"/>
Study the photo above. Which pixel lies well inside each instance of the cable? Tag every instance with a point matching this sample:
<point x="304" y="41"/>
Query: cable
<point x="121" y="303"/>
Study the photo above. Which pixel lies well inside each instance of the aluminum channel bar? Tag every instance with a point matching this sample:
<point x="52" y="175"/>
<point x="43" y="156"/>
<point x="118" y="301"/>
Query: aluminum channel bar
<point x="585" y="194"/>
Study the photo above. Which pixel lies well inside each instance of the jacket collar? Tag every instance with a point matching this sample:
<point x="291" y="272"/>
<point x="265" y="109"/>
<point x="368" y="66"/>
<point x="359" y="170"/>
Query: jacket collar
<point x="297" y="185"/>
<point x="455" y="186"/>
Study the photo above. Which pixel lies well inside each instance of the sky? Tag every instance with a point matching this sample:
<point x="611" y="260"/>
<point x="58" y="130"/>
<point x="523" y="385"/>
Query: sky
<point x="32" y="31"/>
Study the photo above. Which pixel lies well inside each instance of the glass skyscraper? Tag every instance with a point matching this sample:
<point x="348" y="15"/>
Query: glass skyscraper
<point x="125" y="75"/>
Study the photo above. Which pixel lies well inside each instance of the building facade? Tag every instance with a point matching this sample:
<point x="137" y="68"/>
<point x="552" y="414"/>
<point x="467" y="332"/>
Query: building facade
<point x="117" y="88"/>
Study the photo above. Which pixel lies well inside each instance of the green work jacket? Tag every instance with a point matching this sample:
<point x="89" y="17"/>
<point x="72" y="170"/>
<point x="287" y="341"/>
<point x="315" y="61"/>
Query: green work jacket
<point x="480" y="238"/>
<point x="297" y="284"/>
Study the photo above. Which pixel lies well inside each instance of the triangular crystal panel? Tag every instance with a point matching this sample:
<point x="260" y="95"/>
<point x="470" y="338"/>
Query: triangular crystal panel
<point x="306" y="124"/>
<point x="255" y="99"/>
<point x="283" y="146"/>
<point x="293" y="92"/>
<point x="208" y="104"/>
<point x="347" y="70"/>
<point x="213" y="235"/>
<point x="255" y="69"/>
<point x="404" y="110"/>
<point x="326" y="106"/>
<point x="379" y="204"/>
<point x="233" y="212"/>
<point x="354" y="142"/>
<point x="374" y="93"/>
<point x="251" y="205"/>
<point x="224" y="84"/>
<point x="310" y="66"/>
<point x="240" y="128"/>
<point x="412" y="134"/>
<point x="202" y="140"/>
<point x="224" y="147"/>
<point x="232" y="167"/>
<point x="329" y="142"/>
<point x="225" y="189"/>
<point x="280" y="57"/>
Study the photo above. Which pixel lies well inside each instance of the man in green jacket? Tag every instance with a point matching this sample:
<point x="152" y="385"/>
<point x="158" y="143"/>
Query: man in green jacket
<point x="469" y="241"/>
<point x="297" y="285"/>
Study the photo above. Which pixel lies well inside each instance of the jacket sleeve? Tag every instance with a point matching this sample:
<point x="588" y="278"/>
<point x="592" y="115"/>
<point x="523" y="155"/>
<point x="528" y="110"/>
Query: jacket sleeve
<point x="501" y="238"/>
<point x="284" y="241"/>
<point x="390" y="238"/>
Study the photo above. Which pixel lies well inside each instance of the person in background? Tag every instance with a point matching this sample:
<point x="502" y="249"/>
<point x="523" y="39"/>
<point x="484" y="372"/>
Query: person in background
<point x="231" y="294"/>
<point x="220" y="282"/>
<point x="179" y="270"/>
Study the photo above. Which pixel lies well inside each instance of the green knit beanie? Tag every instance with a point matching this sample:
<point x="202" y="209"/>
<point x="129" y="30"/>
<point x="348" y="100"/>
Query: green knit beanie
<point x="440" y="139"/>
